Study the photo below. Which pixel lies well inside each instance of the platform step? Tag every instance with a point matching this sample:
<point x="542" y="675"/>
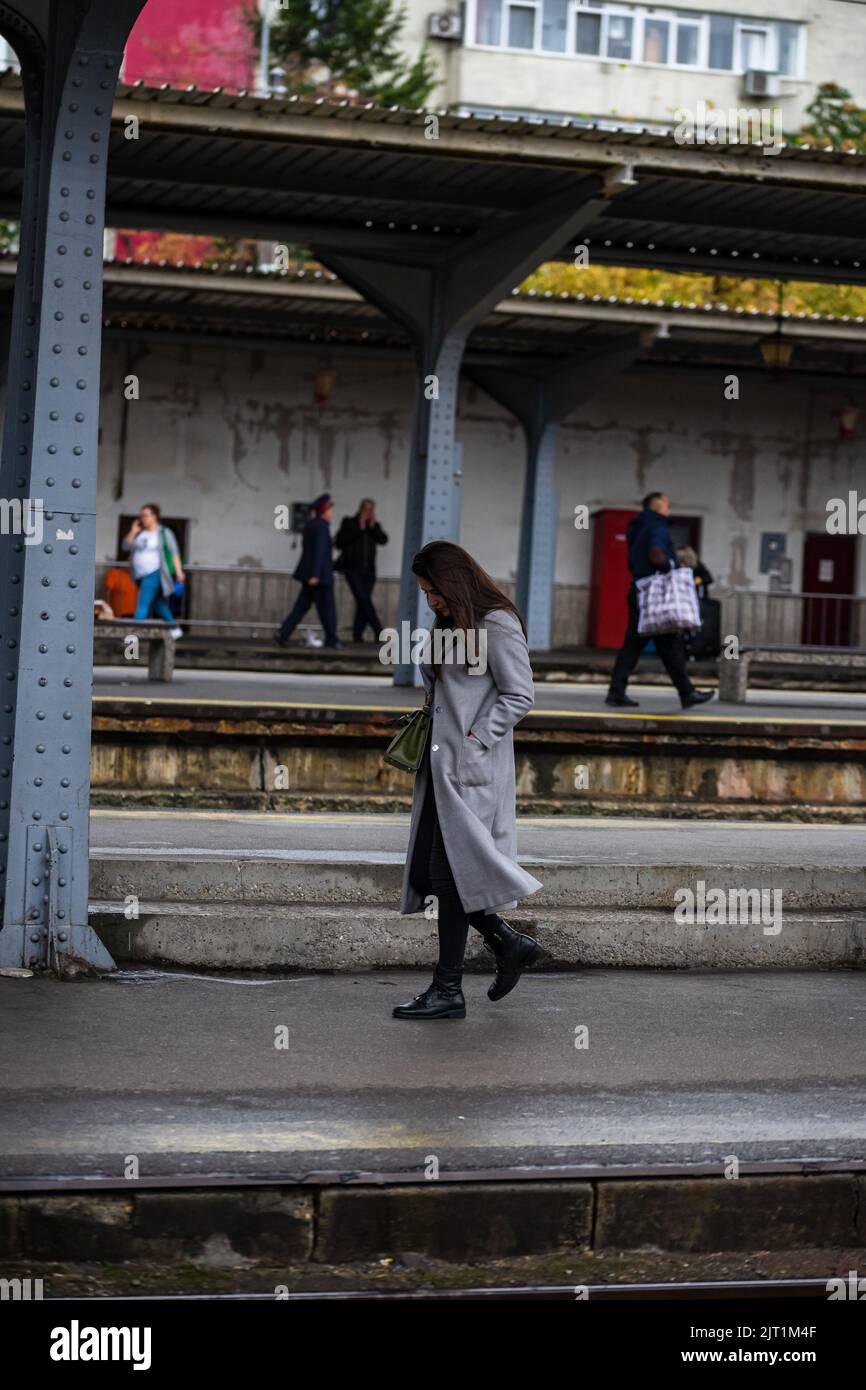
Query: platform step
<point x="347" y="937"/>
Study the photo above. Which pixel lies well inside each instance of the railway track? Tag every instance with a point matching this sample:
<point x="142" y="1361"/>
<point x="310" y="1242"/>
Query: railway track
<point x="758" y="1290"/>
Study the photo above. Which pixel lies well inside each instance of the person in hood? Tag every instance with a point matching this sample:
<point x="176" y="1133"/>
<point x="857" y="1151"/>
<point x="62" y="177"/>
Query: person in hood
<point x="315" y="571"/>
<point x="651" y="551"/>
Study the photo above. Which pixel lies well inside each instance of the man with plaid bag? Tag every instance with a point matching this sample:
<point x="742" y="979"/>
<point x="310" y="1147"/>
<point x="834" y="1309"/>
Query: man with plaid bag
<point x="651" y="551"/>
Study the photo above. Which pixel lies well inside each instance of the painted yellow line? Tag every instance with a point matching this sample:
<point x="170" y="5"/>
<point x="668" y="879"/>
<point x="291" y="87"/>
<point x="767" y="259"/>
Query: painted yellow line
<point x="757" y="718"/>
<point x="255" y="704"/>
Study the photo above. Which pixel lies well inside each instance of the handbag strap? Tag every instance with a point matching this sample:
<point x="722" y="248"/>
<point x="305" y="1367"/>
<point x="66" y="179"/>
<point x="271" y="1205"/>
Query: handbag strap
<point x="169" y="559"/>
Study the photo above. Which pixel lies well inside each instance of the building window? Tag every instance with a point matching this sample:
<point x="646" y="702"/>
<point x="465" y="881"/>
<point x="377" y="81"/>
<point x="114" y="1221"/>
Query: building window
<point x="721" y="42"/>
<point x="521" y="26"/>
<point x="688" y="44"/>
<point x="619" y="31"/>
<point x="754" y="48"/>
<point x="488" y="21"/>
<point x="789" y="49"/>
<point x="589" y="33"/>
<point x="639" y="34"/>
<point x="554" y="25"/>
<point x="656" y="37"/>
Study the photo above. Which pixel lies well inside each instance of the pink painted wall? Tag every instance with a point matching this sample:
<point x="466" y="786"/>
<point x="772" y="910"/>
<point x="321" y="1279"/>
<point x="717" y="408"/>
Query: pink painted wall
<point x="206" y="42"/>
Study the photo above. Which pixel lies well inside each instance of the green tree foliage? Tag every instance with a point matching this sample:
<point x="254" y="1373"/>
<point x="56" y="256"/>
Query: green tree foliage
<point x="666" y="287"/>
<point x="837" y="120"/>
<point x="9" y="236"/>
<point x="349" y="48"/>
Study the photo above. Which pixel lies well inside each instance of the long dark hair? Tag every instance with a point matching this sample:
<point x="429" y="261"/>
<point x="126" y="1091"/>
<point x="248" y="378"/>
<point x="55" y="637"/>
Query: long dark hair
<point x="467" y="589"/>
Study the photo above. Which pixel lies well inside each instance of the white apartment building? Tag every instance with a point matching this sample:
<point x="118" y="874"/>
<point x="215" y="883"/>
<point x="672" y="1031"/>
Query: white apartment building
<point x="639" y="64"/>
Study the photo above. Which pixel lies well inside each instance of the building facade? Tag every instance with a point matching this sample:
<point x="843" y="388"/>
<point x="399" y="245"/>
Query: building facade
<point x="640" y="64"/>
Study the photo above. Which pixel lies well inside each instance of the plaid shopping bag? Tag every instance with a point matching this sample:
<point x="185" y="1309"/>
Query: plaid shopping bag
<point x="668" y="603"/>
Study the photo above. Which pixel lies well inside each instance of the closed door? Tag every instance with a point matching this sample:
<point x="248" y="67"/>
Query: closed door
<point x="828" y="577"/>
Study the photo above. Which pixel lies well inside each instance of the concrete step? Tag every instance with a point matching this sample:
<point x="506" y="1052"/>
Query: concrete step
<point x="321" y="910"/>
<point x="369" y="878"/>
<point x="348" y="937"/>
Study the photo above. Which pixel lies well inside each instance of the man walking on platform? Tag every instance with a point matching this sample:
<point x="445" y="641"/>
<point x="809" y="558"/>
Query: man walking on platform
<point x="651" y="550"/>
<point x="316" y="574"/>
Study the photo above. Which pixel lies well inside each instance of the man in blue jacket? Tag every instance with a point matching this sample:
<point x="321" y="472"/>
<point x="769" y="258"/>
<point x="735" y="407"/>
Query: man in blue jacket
<point x="316" y="574"/>
<point x="651" y="551"/>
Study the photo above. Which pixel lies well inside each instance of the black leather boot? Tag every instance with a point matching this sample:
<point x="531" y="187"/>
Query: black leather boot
<point x="514" y="951"/>
<point x="443" y="999"/>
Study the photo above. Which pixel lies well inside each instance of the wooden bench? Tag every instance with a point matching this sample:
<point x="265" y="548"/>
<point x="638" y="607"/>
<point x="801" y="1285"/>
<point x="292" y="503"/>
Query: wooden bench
<point x="734" y="673"/>
<point x="160" y="662"/>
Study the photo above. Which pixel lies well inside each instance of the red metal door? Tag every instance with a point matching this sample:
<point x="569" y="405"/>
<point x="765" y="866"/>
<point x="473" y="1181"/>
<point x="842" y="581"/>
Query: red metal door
<point x="610" y="582"/>
<point x="828" y="572"/>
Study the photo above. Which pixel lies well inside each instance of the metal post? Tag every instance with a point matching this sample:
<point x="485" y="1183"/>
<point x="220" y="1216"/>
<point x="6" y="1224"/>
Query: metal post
<point x="439" y="301"/>
<point x="430" y="501"/>
<point x="49" y="462"/>
<point x="536" y="568"/>
<point x="540" y="395"/>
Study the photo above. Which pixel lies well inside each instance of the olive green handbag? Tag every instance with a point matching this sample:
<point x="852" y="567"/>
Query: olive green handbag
<point x="406" y="749"/>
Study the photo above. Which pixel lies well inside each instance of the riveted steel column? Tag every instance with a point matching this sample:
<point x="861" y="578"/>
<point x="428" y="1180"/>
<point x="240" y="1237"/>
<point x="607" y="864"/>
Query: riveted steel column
<point x="430" y="503"/>
<point x="52" y="417"/>
<point x="536" y="568"/>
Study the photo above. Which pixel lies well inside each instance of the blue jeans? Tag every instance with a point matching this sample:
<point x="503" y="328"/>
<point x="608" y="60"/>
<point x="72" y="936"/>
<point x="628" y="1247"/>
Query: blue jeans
<point x="150" y="597"/>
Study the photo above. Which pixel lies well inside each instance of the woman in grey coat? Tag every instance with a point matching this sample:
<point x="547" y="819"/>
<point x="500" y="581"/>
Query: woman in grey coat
<point x="462" y="841"/>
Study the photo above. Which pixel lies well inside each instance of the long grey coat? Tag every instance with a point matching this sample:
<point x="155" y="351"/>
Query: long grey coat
<point x="474" y="781"/>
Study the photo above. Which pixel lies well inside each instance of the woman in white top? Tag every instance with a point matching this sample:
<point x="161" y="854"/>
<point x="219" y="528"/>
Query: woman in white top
<point x="156" y="565"/>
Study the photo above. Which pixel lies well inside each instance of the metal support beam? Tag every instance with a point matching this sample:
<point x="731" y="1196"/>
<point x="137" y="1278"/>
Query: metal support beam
<point x="540" y="397"/>
<point x="70" y="55"/>
<point x="536" y="561"/>
<point x="438" y="303"/>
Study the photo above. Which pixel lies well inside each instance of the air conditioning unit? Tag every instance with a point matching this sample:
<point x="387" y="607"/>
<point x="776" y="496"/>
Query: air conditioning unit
<point x="446" y="26"/>
<point x="761" y="84"/>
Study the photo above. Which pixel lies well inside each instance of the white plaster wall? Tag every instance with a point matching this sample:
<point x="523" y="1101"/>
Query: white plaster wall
<point x="224" y="436"/>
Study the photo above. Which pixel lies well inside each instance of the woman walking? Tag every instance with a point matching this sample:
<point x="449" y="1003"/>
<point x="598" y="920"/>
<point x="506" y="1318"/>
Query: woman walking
<point x="156" y="565"/>
<point x="462" y="841"/>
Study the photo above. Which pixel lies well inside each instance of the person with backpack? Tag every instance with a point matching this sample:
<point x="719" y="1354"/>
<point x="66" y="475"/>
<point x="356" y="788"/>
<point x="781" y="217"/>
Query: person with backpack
<point x="154" y="557"/>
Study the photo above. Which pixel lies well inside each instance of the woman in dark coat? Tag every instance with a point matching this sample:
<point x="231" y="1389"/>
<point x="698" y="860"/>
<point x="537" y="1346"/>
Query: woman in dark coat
<point x="462" y="841"/>
<point x="356" y="540"/>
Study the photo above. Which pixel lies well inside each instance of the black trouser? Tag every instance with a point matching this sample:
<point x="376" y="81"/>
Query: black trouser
<point x="431" y="874"/>
<point x="361" y="582"/>
<point x="322" y="595"/>
<point x="669" y="645"/>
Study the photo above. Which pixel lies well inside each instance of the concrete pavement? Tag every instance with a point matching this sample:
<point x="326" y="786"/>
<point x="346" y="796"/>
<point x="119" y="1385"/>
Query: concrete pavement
<point x="183" y="1071"/>
<point x="382" y="839"/>
<point x="570" y="700"/>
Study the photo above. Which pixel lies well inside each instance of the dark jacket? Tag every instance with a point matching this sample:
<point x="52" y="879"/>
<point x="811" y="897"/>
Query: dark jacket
<point x="358" y="545"/>
<point x="315" y="561"/>
<point x="645" y="531"/>
<point x="701" y="573"/>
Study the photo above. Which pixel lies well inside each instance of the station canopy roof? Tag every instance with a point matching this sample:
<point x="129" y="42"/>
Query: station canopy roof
<point x="358" y="177"/>
<point x="312" y="309"/>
